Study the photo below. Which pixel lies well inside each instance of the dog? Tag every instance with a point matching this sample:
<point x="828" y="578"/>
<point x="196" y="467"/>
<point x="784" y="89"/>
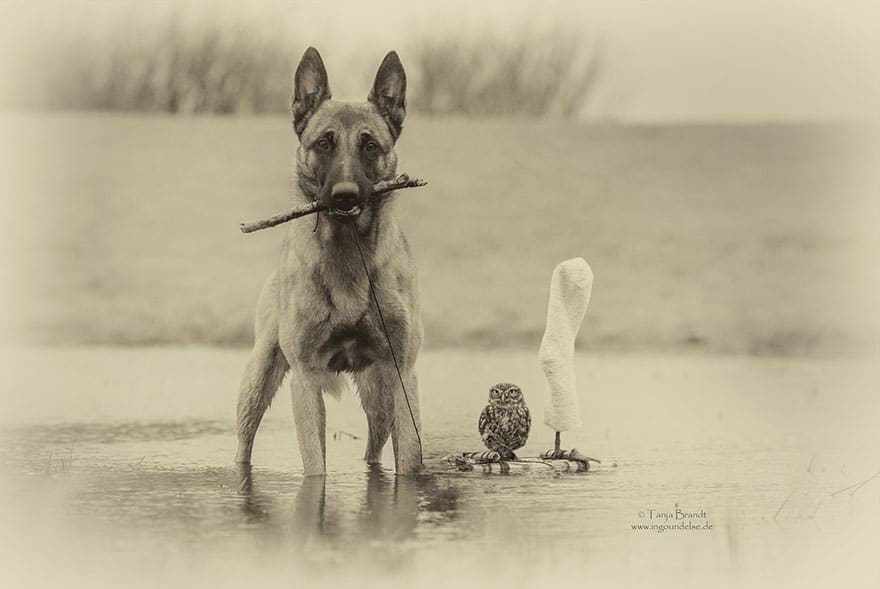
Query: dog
<point x="320" y="317"/>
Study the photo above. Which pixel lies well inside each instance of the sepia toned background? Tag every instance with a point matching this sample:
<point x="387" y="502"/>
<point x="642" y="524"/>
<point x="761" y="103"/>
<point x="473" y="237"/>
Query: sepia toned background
<point x="717" y="174"/>
<point x="716" y="163"/>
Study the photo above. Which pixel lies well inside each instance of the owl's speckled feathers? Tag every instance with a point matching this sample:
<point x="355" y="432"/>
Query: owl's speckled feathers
<point x="505" y="422"/>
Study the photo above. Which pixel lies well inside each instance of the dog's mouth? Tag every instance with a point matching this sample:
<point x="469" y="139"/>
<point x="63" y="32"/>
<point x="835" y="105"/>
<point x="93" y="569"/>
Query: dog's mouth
<point x="346" y="215"/>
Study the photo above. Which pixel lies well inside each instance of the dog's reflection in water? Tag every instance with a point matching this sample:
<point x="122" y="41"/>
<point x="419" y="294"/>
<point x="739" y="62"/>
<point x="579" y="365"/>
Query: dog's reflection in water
<point x="391" y="507"/>
<point x="254" y="506"/>
<point x="323" y="512"/>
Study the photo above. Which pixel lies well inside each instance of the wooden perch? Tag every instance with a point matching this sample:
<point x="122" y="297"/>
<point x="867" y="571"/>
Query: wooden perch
<point x="572" y="454"/>
<point x="380" y="190"/>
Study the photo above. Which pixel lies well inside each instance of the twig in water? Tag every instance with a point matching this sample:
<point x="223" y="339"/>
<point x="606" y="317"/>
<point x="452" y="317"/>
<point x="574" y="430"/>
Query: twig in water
<point x="818" y="505"/>
<point x="380" y="190"/>
<point x="778" y="511"/>
<point x="856" y="486"/>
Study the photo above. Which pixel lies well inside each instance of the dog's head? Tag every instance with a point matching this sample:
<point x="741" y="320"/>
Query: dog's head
<point x="346" y="148"/>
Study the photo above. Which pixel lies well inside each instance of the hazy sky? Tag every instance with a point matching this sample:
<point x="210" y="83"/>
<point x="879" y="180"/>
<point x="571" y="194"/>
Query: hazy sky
<point x="664" y="60"/>
<point x="744" y="60"/>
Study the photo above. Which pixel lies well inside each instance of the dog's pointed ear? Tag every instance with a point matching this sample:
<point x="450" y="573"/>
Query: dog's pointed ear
<point x="310" y="88"/>
<point x="389" y="93"/>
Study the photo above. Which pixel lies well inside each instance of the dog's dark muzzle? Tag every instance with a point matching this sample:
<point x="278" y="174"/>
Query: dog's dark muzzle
<point x="345" y="200"/>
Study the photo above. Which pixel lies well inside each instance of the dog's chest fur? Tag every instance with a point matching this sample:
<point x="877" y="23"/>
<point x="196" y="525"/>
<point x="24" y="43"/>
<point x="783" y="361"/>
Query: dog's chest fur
<point x="347" y="338"/>
<point x="334" y="325"/>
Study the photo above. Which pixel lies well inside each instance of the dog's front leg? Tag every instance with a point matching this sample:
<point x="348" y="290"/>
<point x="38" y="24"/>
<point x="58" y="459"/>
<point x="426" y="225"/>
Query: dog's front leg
<point x="406" y="434"/>
<point x="375" y="387"/>
<point x="309" y="414"/>
<point x="387" y="410"/>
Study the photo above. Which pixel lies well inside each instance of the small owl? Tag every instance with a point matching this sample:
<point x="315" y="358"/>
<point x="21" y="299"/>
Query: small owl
<point x="505" y="422"/>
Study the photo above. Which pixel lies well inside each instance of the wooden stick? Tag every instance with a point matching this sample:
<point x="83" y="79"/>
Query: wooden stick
<point x="380" y="190"/>
<point x="469" y="460"/>
<point x="572" y="454"/>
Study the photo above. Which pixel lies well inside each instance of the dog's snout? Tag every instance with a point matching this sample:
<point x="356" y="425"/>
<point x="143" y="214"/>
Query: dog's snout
<point x="345" y="195"/>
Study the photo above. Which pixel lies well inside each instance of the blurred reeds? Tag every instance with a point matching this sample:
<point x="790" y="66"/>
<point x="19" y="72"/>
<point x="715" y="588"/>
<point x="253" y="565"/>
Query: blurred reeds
<point x="534" y="72"/>
<point x="177" y="68"/>
<point x="226" y="67"/>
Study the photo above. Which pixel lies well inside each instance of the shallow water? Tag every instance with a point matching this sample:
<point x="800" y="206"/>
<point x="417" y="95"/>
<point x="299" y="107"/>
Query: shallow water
<point x="118" y="468"/>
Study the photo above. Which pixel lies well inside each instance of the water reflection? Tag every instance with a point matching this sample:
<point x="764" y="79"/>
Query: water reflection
<point x="309" y="521"/>
<point x="254" y="506"/>
<point x="387" y="512"/>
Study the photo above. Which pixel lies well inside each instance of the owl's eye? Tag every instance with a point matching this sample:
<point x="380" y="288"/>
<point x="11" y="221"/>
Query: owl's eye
<point x="494" y="393"/>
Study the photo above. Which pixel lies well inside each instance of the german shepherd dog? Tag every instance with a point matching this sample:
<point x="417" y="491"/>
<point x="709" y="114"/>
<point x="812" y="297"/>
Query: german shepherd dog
<point x="316" y="317"/>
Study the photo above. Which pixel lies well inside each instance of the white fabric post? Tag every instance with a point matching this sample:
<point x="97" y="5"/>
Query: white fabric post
<point x="570" y="290"/>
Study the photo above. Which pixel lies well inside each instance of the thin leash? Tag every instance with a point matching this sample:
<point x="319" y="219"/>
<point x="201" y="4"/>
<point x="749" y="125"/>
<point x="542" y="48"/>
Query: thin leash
<point x="412" y="416"/>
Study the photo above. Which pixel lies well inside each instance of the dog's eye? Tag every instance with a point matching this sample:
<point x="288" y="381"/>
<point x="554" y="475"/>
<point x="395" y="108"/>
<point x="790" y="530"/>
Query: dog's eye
<point x="371" y="146"/>
<point x="323" y="144"/>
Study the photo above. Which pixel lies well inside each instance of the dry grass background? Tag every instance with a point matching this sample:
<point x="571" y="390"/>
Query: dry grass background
<point x="224" y="66"/>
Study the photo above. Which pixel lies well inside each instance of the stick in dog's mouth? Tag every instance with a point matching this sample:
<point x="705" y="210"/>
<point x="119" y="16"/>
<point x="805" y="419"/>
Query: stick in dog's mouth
<point x="380" y="190"/>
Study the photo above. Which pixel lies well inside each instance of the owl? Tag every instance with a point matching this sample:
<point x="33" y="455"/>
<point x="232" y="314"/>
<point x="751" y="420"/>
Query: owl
<point x="505" y="422"/>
